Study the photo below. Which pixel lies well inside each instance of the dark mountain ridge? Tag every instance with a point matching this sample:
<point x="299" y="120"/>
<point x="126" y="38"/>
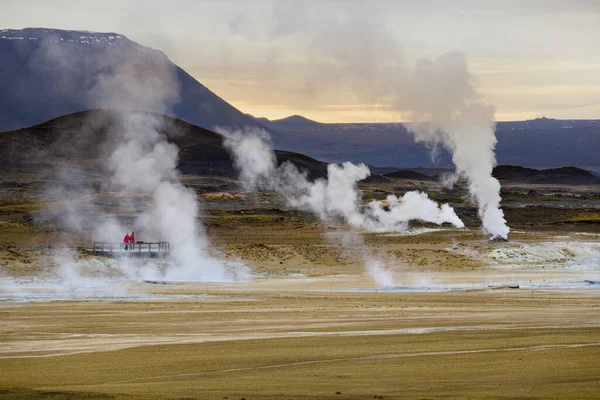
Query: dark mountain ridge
<point x="47" y="73"/>
<point x="509" y="174"/>
<point x="556" y="176"/>
<point x="537" y="143"/>
<point x="85" y="138"/>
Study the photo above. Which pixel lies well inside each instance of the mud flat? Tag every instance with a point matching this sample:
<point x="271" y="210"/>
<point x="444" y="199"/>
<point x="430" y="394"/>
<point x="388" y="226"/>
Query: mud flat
<point x="465" y="318"/>
<point x="299" y="338"/>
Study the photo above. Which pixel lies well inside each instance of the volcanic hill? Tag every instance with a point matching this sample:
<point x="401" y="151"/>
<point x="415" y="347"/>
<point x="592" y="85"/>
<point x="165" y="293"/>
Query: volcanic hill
<point x="83" y="139"/>
<point x="47" y="73"/>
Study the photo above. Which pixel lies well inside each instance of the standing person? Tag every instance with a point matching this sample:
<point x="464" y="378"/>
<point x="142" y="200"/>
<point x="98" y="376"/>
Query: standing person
<point x="126" y="240"/>
<point x="132" y="240"/>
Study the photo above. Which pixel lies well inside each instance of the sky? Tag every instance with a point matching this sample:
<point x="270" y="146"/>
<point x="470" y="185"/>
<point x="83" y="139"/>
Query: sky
<point x="325" y="59"/>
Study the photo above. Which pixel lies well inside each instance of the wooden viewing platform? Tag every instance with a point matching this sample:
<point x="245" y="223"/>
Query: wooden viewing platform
<point x="148" y="249"/>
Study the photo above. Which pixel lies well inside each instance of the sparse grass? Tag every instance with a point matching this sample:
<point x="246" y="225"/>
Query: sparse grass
<point x="237" y="220"/>
<point x="11" y="225"/>
<point x="257" y="218"/>
<point x="29" y="394"/>
<point x="19" y="206"/>
<point x="309" y="367"/>
<point x="585" y="217"/>
<point x="450" y="197"/>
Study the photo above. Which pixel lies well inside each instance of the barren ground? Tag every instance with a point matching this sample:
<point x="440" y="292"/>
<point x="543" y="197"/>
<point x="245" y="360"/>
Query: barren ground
<point x="476" y="319"/>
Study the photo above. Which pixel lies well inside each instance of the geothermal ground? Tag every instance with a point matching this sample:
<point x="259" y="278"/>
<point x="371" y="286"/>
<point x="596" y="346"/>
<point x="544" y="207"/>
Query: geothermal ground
<point x="301" y="319"/>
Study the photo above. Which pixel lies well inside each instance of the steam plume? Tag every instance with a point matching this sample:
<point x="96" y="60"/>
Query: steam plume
<point x="145" y="162"/>
<point x="448" y="110"/>
<point x="335" y="197"/>
<point x="332" y="198"/>
<point x="137" y="158"/>
<point x="441" y="100"/>
<point x="353" y="49"/>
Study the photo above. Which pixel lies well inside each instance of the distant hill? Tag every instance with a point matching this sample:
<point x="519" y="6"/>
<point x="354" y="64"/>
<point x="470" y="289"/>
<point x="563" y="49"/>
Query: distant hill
<point x="513" y="172"/>
<point x="81" y="139"/>
<point x="47" y="73"/>
<point x="510" y="174"/>
<point x="292" y="122"/>
<point x="538" y="143"/>
<point x="264" y="121"/>
<point x="558" y="176"/>
<point x="412" y="175"/>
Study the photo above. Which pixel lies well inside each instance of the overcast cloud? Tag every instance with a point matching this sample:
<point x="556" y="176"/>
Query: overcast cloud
<point x="276" y="58"/>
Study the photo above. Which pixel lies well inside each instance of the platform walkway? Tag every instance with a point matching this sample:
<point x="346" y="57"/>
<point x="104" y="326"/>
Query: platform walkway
<point x="146" y="249"/>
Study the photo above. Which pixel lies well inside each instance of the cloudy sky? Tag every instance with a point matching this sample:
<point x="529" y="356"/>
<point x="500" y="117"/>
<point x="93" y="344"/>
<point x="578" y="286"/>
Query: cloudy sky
<point x="322" y="59"/>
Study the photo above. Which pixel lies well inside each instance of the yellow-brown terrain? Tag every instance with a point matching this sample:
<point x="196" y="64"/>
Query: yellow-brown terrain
<point x="310" y="323"/>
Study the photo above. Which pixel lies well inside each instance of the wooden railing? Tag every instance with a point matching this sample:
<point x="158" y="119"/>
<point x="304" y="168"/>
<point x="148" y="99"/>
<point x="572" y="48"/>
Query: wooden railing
<point x="140" y="247"/>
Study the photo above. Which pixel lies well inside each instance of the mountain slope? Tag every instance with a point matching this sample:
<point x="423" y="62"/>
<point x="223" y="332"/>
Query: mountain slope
<point x="83" y="139"/>
<point x="47" y="73"/>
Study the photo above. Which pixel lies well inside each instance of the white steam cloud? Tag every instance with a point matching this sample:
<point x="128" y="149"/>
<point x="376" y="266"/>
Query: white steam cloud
<point x="413" y="205"/>
<point x="137" y="161"/>
<point x="449" y="111"/>
<point x="354" y="49"/>
<point x="333" y="198"/>
<point x="145" y="162"/>
<point x="440" y="98"/>
<point x="337" y="196"/>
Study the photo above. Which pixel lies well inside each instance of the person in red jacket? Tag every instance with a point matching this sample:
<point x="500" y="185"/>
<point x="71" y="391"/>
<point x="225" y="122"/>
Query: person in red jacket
<point x="132" y="240"/>
<point x="126" y="240"/>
